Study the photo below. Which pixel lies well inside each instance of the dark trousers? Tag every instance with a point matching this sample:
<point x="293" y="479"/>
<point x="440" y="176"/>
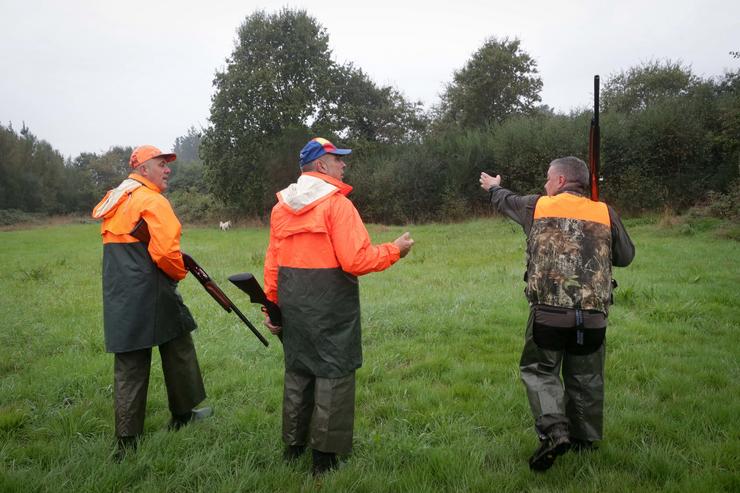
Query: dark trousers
<point x="131" y="381"/>
<point x="576" y="401"/>
<point x="319" y="412"/>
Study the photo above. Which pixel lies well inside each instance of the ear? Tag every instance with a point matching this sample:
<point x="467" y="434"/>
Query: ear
<point x="561" y="181"/>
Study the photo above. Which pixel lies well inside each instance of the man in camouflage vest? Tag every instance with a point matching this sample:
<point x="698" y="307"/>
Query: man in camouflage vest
<point x="572" y="244"/>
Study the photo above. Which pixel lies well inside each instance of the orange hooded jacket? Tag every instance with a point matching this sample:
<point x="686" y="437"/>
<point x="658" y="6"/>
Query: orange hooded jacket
<point x="315" y="226"/>
<point x="318" y="247"/>
<point x="141" y="305"/>
<point x="138" y="198"/>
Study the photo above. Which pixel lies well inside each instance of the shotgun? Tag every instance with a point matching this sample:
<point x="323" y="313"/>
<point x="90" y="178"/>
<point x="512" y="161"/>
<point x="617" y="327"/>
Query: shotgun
<point x="247" y="283"/>
<point x="594" y="144"/>
<point x="218" y="295"/>
<point x="141" y="233"/>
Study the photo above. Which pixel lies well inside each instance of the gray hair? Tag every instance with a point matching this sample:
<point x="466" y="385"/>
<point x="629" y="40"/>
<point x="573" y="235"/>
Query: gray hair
<point x="310" y="166"/>
<point x="574" y="170"/>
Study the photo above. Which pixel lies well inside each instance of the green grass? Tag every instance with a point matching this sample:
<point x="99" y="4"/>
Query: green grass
<point x="439" y="403"/>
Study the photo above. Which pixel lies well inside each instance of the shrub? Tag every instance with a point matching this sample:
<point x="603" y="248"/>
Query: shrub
<point x="9" y="217"/>
<point x="196" y="207"/>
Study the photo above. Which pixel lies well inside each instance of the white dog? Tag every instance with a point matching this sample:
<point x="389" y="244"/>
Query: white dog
<point x="224" y="225"/>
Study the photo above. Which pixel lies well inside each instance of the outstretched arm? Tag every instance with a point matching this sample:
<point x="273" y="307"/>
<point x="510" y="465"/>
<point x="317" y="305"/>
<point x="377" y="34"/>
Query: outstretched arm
<point x="519" y="208"/>
<point x="352" y="246"/>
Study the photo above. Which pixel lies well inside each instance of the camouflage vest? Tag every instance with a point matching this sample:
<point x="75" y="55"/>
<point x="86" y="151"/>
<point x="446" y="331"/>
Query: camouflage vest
<point x="569" y="253"/>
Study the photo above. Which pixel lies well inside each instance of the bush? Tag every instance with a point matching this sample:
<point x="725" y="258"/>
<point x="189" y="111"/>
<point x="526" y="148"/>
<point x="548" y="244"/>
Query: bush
<point x="9" y="217"/>
<point x="720" y="205"/>
<point x="196" y="207"/>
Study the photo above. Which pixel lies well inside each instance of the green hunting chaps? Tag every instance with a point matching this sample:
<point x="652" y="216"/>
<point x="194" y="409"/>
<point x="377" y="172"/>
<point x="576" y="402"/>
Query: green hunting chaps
<point x="319" y="412"/>
<point x="576" y="401"/>
<point x="182" y="378"/>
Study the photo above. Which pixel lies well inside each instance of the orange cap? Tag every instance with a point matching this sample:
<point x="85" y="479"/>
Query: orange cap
<point x="144" y="153"/>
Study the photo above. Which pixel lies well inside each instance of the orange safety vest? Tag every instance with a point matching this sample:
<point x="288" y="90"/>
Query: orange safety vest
<point x="569" y="253"/>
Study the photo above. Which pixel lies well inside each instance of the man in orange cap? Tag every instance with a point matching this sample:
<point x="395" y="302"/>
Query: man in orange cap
<point x="318" y="248"/>
<point x="142" y="264"/>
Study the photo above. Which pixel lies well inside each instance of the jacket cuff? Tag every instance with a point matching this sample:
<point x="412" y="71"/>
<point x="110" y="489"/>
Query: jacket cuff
<point x="395" y="252"/>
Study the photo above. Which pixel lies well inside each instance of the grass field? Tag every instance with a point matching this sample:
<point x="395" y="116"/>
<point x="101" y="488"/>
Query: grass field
<point x="439" y="403"/>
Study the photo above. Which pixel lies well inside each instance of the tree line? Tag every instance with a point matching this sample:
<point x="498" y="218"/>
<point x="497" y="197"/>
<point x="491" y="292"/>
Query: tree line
<point x="669" y="137"/>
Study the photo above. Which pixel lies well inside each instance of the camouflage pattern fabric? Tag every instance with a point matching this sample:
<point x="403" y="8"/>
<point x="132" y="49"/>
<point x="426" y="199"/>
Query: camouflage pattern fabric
<point x="569" y="264"/>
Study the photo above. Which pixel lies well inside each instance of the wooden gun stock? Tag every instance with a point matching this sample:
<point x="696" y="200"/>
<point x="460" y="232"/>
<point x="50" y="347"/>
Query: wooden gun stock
<point x="218" y="295"/>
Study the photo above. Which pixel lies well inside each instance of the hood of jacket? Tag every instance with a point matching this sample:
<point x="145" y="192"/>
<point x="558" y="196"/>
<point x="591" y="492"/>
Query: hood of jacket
<point x="311" y="189"/>
<point x="115" y="197"/>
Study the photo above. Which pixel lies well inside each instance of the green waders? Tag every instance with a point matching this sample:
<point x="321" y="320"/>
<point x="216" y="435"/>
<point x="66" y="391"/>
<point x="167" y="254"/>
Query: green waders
<point x="579" y="403"/>
<point x="319" y="412"/>
<point x="182" y="378"/>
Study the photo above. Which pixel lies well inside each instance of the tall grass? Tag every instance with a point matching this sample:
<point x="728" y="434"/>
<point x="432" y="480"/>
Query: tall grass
<point x="439" y="404"/>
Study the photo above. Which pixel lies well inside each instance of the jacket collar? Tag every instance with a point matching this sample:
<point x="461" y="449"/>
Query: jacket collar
<point x="310" y="190"/>
<point x="145" y="182"/>
<point x="344" y="189"/>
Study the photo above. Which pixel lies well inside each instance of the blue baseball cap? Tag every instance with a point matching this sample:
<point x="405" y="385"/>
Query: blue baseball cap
<point x="318" y="147"/>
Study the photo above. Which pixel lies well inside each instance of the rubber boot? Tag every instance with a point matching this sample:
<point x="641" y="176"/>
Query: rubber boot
<point x="180" y="420"/>
<point x="556" y="443"/>
<point x="323" y="462"/>
<point x="293" y="452"/>
<point x="125" y="446"/>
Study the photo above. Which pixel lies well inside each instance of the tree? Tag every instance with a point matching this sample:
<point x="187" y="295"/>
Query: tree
<point x="187" y="172"/>
<point x="187" y="147"/>
<point x="500" y="80"/>
<point x="35" y="178"/>
<point x="272" y="82"/>
<point x="360" y="111"/>
<point x="281" y="87"/>
<point x="109" y="169"/>
<point x="645" y="85"/>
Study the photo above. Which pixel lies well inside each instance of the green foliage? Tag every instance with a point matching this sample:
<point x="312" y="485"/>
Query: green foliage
<point x="360" y="111"/>
<point x="720" y="205"/>
<point x="406" y="188"/>
<point x="187" y="147"/>
<point x="186" y="175"/>
<point x="439" y="402"/>
<point x="280" y="88"/>
<point x="500" y="80"/>
<point x="522" y="159"/>
<point x="31" y="173"/>
<point x="272" y="82"/>
<point x="438" y="179"/>
<point x="193" y="206"/>
<point x="672" y="152"/>
<point x="108" y="169"/>
<point x="9" y="217"/>
<point x="645" y="85"/>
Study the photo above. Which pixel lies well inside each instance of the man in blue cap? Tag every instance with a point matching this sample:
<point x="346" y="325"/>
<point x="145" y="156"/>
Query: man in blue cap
<point x="318" y="248"/>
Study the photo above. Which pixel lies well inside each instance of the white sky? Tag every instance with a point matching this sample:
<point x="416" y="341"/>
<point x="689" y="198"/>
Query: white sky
<point x="86" y="75"/>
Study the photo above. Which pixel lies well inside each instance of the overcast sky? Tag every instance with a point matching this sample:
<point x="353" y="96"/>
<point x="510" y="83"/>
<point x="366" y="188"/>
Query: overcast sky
<point x="86" y="75"/>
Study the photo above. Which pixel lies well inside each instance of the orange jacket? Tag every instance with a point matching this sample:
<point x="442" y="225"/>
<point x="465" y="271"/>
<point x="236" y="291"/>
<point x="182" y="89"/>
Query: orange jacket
<point x="315" y="226"/>
<point x="123" y="207"/>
